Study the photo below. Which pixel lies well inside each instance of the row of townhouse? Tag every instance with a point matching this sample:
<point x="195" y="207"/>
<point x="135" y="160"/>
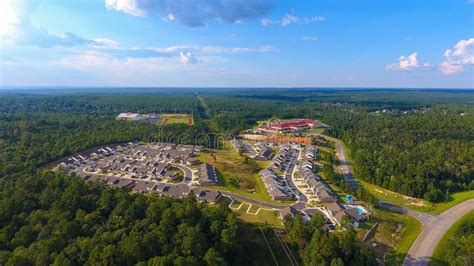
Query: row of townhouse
<point x="171" y="190"/>
<point x="317" y="187"/>
<point x="207" y="175"/>
<point x="275" y="185"/>
<point x="280" y="160"/>
<point x="265" y="153"/>
<point x="240" y="145"/>
<point x="310" y="152"/>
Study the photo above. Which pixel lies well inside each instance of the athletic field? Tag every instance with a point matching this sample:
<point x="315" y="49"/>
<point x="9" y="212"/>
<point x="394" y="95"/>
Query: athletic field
<point x="168" y="119"/>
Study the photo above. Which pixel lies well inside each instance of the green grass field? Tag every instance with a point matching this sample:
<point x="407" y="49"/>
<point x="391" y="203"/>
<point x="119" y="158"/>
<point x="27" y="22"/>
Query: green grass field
<point x="169" y="119"/>
<point x="264" y="216"/>
<point x="439" y="255"/>
<point x="231" y="166"/>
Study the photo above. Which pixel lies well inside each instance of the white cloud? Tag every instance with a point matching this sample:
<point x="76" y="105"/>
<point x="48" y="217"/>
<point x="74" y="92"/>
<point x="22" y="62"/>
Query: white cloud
<point x="290" y="18"/>
<point x="106" y="42"/>
<point x="194" y="13"/>
<point x="187" y="54"/>
<point x="187" y="58"/>
<point x="169" y="17"/>
<point x="407" y="63"/>
<point x="8" y="16"/>
<point x="461" y="55"/>
<point x="16" y="27"/>
<point x="310" y="38"/>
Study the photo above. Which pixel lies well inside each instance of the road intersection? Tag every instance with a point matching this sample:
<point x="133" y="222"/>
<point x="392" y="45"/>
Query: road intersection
<point x="434" y="226"/>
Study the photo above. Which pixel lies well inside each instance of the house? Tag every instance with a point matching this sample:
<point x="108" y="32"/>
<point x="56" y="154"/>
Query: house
<point x="171" y="175"/>
<point x="193" y="161"/>
<point x="265" y="154"/>
<point x="94" y="178"/>
<point x="210" y="196"/>
<point x="325" y="196"/>
<point x="336" y="211"/>
<point x="307" y="165"/>
<point x="287" y="212"/>
<point x="355" y="215"/>
<point x="310" y="153"/>
<point x="207" y="175"/>
<point x="120" y="182"/>
<point x="177" y="191"/>
<point x="142" y="186"/>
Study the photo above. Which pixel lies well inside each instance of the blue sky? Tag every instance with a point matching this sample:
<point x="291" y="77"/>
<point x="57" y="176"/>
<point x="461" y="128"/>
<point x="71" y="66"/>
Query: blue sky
<point x="317" y="43"/>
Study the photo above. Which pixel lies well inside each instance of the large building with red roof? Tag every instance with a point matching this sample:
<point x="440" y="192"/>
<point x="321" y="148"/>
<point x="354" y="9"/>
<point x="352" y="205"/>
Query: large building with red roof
<point x="288" y="125"/>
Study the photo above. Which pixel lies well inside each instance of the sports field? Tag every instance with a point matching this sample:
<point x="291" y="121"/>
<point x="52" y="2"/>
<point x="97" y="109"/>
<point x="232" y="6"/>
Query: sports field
<point x="168" y="119"/>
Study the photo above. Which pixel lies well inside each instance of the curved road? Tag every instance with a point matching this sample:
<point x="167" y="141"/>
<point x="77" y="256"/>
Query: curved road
<point x="433" y="230"/>
<point x="434" y="226"/>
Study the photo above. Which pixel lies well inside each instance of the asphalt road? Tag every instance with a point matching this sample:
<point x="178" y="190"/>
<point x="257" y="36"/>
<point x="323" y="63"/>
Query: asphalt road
<point x="188" y="175"/>
<point x="345" y="166"/>
<point x="424" y="218"/>
<point x="433" y="230"/>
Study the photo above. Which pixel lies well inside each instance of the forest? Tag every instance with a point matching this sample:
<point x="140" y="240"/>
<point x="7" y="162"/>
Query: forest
<point x="421" y="146"/>
<point x="54" y="219"/>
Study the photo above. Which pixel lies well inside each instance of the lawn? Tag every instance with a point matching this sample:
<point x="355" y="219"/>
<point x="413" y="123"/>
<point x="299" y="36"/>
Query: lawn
<point x="454" y="199"/>
<point x="180" y="177"/>
<point x="264" y="216"/>
<point x="394" y="234"/>
<point x="414" y="203"/>
<point x="439" y="255"/>
<point x="234" y="174"/>
<point x="396" y="198"/>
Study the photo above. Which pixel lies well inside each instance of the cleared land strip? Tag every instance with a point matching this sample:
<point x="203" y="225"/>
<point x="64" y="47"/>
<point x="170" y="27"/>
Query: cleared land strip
<point x="250" y="200"/>
<point x="345" y="166"/>
<point x="433" y="230"/>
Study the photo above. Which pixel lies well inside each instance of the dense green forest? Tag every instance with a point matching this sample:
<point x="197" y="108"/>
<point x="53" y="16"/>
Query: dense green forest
<point x="53" y="219"/>
<point x="318" y="247"/>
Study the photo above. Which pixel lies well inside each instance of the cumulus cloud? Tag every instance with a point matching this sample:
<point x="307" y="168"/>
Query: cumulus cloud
<point x="17" y="27"/>
<point x="407" y="63"/>
<point x="187" y="58"/>
<point x="461" y="55"/>
<point x="194" y="13"/>
<point x="27" y="34"/>
<point x="290" y="18"/>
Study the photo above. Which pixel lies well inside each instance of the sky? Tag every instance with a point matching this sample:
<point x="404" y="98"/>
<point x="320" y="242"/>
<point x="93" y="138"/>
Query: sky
<point x="237" y="43"/>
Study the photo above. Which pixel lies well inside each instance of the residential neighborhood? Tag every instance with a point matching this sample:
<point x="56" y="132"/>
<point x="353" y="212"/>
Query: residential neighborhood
<point x="173" y="170"/>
